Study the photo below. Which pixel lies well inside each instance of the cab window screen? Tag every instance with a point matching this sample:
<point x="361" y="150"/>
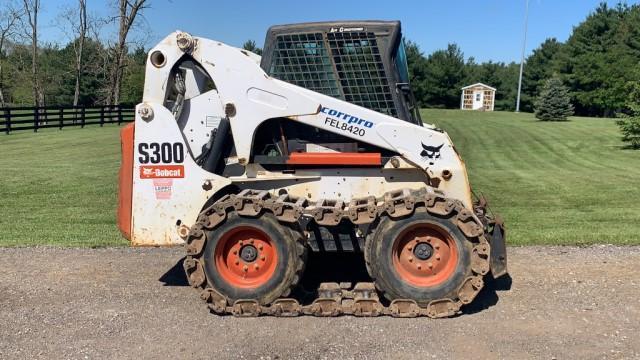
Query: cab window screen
<point x="361" y="70"/>
<point x="344" y="65"/>
<point x="302" y="59"/>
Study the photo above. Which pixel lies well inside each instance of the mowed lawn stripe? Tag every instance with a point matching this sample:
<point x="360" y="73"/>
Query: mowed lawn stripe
<point x="562" y="183"/>
<point x="554" y="183"/>
<point x="59" y="187"/>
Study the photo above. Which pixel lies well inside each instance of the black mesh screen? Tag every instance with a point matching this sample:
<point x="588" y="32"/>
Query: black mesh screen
<point x="302" y="59"/>
<point x="361" y="71"/>
<point x="350" y="69"/>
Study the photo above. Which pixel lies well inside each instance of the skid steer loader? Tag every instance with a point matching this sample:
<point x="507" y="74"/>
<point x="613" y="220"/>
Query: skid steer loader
<point x="252" y="173"/>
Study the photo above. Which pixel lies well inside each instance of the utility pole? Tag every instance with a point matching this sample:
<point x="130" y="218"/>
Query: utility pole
<point x="524" y="45"/>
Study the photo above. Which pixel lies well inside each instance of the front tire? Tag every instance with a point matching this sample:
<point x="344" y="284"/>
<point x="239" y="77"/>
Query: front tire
<point x="422" y="257"/>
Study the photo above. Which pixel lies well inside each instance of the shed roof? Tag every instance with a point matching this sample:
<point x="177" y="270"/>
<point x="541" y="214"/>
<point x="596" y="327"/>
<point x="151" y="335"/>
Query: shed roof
<point x="479" y="84"/>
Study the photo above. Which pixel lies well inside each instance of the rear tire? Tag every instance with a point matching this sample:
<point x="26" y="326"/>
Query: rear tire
<point x="254" y="258"/>
<point x="422" y="257"/>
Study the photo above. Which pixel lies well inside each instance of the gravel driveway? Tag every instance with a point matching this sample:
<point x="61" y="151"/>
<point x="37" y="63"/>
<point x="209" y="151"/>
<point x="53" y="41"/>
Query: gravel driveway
<point x="564" y="303"/>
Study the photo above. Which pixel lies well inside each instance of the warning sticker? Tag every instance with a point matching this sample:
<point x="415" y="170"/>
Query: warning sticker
<point x="212" y="121"/>
<point x="161" y="171"/>
<point x="163" y="188"/>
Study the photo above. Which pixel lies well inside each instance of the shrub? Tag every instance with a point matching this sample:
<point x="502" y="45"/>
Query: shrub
<point x="630" y="128"/>
<point x="554" y="102"/>
<point x="630" y="124"/>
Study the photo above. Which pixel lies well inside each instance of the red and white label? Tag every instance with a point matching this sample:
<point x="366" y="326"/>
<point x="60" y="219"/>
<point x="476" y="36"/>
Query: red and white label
<point x="161" y="171"/>
<point x="163" y="188"/>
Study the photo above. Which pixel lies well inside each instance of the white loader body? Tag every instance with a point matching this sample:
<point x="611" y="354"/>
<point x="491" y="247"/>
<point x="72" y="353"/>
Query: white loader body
<point x="169" y="189"/>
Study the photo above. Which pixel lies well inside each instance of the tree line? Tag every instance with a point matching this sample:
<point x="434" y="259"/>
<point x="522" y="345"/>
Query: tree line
<point x="599" y="64"/>
<point x="88" y="70"/>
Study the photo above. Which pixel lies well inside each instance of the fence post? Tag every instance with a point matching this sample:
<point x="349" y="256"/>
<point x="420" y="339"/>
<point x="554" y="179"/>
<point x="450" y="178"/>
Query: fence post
<point x="82" y="117"/>
<point x="119" y="115"/>
<point x="102" y="115"/>
<point x="36" y="119"/>
<point x="7" y="119"/>
<point x="60" y="117"/>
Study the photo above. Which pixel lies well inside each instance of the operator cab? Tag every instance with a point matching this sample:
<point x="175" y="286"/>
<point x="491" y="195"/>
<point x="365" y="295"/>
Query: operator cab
<point x="361" y="62"/>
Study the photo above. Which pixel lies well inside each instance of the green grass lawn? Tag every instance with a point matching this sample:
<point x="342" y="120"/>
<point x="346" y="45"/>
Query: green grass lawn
<point x="60" y="187"/>
<point x="554" y="183"/>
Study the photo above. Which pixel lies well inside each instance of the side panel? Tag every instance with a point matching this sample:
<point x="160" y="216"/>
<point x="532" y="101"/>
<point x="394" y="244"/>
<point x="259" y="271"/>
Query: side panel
<point x="169" y="188"/>
<point x="425" y="147"/>
<point x="125" y="181"/>
<point x="340" y="183"/>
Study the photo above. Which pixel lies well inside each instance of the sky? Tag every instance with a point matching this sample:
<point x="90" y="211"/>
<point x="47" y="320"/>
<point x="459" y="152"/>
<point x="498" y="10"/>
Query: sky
<point x="484" y="29"/>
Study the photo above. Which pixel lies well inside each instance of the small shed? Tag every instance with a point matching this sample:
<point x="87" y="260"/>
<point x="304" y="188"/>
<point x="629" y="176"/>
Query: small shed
<point x="478" y="96"/>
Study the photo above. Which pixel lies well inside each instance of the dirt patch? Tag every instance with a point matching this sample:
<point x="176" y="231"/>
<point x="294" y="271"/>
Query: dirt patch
<point x="564" y="302"/>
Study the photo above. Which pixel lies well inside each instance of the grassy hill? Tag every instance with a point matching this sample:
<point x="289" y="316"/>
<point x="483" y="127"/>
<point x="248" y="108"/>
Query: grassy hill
<point x="554" y="183"/>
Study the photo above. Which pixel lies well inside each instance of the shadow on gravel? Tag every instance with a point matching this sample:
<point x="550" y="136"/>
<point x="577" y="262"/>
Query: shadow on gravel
<point x="488" y="296"/>
<point x="340" y="267"/>
<point x="175" y="276"/>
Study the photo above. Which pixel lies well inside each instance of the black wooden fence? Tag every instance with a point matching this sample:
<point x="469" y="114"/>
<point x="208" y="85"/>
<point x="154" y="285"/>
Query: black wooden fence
<point x="35" y="118"/>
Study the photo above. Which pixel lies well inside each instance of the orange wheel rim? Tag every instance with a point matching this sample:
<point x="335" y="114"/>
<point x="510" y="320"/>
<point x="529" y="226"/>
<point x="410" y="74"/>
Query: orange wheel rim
<point x="246" y="257"/>
<point x="425" y="255"/>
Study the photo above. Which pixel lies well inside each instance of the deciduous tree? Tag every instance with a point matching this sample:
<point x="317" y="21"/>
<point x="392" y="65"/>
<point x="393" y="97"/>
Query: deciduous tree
<point x="31" y="11"/>
<point x="128" y="12"/>
<point x="9" y="18"/>
<point x="74" y="22"/>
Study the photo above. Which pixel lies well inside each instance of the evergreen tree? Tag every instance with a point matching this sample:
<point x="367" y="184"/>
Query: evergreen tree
<point x="597" y="59"/>
<point x="444" y="76"/>
<point x="630" y="128"/>
<point x="538" y="67"/>
<point x="250" y="45"/>
<point x="416" y="63"/>
<point x="630" y="125"/>
<point x="554" y="102"/>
